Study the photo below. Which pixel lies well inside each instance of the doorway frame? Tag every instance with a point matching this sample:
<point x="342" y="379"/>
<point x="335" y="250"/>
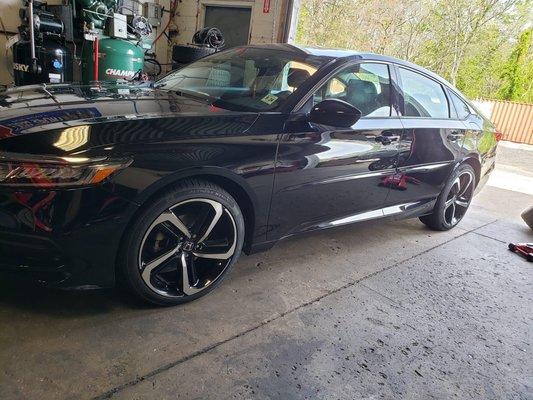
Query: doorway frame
<point x="202" y="10"/>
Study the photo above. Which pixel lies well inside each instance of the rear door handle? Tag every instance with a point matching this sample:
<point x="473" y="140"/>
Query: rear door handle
<point x="453" y="136"/>
<point x="387" y="139"/>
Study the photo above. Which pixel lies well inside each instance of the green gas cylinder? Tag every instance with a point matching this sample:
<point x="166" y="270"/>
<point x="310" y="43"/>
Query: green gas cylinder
<point x="117" y="59"/>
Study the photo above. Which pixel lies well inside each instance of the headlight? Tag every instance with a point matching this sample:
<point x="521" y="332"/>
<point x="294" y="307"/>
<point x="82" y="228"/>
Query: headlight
<point x="37" y="171"/>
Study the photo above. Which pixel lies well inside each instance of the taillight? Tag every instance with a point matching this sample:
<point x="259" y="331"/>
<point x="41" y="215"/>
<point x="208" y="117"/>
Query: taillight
<point x="498" y="135"/>
<point x="29" y="170"/>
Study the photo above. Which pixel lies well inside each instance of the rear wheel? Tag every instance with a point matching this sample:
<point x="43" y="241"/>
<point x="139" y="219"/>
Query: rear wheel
<point x="183" y="245"/>
<point x="453" y="201"/>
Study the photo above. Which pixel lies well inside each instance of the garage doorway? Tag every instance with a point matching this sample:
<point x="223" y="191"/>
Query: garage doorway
<point x="234" y="22"/>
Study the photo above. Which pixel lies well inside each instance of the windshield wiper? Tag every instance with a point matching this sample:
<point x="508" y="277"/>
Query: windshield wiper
<point x="227" y="105"/>
<point x="195" y="95"/>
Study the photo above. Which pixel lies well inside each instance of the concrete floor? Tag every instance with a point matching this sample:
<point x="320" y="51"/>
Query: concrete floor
<point x="375" y="310"/>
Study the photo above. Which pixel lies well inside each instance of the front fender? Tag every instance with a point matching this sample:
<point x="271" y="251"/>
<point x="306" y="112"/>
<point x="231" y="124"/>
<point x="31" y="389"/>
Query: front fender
<point x="194" y="172"/>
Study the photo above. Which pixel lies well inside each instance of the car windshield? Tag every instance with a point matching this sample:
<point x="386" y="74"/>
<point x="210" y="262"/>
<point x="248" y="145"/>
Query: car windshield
<point x="244" y="78"/>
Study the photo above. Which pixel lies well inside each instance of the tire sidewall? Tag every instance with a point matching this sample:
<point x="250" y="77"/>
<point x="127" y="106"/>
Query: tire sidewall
<point x="129" y="254"/>
<point x="186" y="54"/>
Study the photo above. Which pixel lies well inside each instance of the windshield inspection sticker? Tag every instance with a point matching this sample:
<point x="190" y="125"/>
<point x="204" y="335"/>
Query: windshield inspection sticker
<point x="269" y="99"/>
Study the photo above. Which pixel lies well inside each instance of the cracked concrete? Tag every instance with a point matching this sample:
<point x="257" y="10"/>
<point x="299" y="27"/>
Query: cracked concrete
<point x="382" y="337"/>
<point x="375" y="310"/>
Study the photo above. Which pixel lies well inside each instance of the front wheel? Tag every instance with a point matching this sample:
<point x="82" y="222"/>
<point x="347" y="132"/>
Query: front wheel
<point x="453" y="201"/>
<point x="182" y="246"/>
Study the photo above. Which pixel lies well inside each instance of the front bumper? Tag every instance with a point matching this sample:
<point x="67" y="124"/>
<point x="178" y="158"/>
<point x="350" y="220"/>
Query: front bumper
<point x="64" y="238"/>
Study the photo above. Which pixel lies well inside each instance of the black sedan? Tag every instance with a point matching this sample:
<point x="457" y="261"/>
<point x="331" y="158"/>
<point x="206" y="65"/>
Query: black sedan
<point x="164" y="187"/>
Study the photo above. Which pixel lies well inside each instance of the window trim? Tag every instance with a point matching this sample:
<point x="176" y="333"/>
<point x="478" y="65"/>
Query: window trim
<point x="402" y="93"/>
<point x="470" y="113"/>
<point x="392" y="76"/>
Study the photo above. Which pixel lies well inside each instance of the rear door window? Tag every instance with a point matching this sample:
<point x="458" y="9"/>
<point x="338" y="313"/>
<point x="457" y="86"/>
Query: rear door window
<point x="423" y="97"/>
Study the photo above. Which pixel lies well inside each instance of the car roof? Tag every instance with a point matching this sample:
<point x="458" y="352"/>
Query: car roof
<point x="332" y="54"/>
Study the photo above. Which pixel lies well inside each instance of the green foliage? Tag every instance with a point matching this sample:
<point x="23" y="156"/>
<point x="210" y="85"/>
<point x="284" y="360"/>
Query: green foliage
<point x="518" y="71"/>
<point x="481" y="46"/>
<point x="480" y="73"/>
<point x="486" y="142"/>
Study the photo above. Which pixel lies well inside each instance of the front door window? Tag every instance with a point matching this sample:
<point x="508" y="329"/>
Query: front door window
<point x="366" y="86"/>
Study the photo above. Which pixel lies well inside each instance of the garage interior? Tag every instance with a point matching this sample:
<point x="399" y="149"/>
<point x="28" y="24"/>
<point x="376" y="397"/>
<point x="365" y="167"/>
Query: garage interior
<point x="375" y="310"/>
<point x="171" y="23"/>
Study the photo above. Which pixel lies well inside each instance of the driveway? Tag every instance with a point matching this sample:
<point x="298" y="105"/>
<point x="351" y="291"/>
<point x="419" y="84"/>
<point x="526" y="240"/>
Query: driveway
<point x="375" y="310"/>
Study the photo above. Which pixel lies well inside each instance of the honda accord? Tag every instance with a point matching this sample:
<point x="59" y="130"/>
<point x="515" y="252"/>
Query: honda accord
<point x="164" y="187"/>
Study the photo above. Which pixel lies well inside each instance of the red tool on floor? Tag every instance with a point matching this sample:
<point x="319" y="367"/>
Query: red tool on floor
<point x="524" y="249"/>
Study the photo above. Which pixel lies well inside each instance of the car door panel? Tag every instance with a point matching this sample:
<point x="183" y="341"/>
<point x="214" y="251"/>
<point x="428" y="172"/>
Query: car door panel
<point x="325" y="174"/>
<point x="428" y="150"/>
<point x="431" y="140"/>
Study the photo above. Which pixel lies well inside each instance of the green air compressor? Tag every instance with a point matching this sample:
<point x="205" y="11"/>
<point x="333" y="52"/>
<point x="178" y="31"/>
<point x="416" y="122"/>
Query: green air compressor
<point x="118" y="59"/>
<point x="114" y="44"/>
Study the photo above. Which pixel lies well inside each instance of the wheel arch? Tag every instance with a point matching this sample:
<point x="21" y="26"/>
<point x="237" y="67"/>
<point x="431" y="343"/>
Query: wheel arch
<point x="475" y="163"/>
<point x="234" y="184"/>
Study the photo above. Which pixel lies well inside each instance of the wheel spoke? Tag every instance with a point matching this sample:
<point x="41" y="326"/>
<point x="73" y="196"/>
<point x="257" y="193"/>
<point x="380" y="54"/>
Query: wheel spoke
<point x="170" y="217"/>
<point x="465" y="186"/>
<point x="218" y="213"/>
<point x="185" y="264"/>
<point x="214" y="256"/>
<point x="192" y="270"/>
<point x="217" y="256"/>
<point x="449" y="203"/>
<point x="216" y="243"/>
<point x="461" y="203"/>
<point x="148" y="268"/>
<point x="453" y="213"/>
<point x="456" y="185"/>
<point x="449" y="213"/>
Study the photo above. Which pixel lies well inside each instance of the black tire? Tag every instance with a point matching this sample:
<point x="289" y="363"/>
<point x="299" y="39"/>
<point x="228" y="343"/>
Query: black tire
<point x="186" y="54"/>
<point x="440" y="219"/>
<point x="189" y="193"/>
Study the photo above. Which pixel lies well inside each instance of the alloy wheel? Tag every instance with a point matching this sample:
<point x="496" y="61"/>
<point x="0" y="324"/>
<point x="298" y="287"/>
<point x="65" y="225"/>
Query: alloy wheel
<point x="459" y="198"/>
<point x="187" y="248"/>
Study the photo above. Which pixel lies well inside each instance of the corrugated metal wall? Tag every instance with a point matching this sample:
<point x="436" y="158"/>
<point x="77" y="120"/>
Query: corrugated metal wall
<point x="514" y="120"/>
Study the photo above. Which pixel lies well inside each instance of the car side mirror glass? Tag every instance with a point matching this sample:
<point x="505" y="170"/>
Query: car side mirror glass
<point x="334" y="112"/>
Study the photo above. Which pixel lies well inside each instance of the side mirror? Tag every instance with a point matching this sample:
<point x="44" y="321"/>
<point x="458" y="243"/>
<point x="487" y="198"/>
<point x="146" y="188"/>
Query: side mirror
<point x="334" y="112"/>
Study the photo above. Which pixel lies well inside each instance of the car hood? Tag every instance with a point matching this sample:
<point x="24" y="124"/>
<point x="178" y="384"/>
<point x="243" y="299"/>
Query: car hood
<point x="39" y="108"/>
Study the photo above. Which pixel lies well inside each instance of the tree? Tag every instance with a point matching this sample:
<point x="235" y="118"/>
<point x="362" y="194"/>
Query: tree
<point x="518" y="71"/>
<point x="469" y="42"/>
<point x="456" y="25"/>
